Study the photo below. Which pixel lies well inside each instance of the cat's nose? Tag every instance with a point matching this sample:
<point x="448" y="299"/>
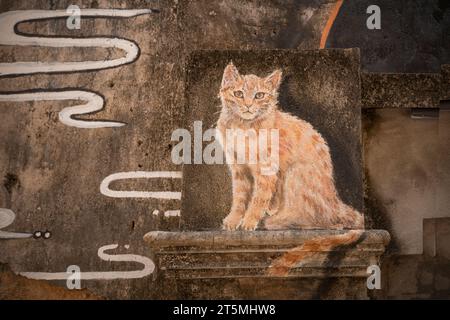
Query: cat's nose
<point x="248" y="102"/>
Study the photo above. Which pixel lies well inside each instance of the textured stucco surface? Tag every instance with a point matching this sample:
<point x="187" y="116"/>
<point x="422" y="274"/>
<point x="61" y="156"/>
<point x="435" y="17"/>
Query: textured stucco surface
<point x="407" y="161"/>
<point x="416" y="90"/>
<point x="51" y="173"/>
<point x="413" y="35"/>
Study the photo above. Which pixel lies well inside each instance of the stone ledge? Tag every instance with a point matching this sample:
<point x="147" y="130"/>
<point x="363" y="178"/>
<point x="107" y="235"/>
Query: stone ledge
<point x="401" y="90"/>
<point x="224" y="254"/>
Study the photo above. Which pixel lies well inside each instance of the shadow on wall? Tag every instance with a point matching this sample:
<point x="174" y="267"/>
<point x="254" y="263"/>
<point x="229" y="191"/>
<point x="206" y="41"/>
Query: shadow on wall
<point x="424" y="276"/>
<point x="412" y="38"/>
<point x="407" y="163"/>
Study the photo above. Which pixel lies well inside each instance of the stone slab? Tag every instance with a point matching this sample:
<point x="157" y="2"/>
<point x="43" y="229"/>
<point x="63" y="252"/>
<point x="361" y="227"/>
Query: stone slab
<point x="237" y="260"/>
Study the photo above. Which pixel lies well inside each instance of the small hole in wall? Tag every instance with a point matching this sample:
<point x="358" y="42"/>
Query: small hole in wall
<point x="140" y="165"/>
<point x="133" y="225"/>
<point x="111" y="84"/>
<point x="139" y="142"/>
<point x="169" y="147"/>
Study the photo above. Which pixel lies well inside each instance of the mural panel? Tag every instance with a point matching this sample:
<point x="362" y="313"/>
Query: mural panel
<point x="312" y="100"/>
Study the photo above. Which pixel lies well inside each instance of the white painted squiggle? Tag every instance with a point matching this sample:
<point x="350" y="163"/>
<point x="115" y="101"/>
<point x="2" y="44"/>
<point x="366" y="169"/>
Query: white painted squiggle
<point x="94" y="103"/>
<point x="7" y="217"/>
<point x="149" y="267"/>
<point x="8" y="36"/>
<point x="104" y="186"/>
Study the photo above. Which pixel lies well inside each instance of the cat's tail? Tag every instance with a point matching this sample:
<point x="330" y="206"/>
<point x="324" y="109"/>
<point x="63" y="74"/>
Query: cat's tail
<point x="310" y="248"/>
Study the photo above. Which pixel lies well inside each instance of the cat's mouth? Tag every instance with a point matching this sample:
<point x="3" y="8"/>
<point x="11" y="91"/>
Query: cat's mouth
<point x="248" y="115"/>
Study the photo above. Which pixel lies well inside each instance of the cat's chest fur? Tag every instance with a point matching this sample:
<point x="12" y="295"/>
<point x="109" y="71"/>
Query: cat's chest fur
<point x="249" y="144"/>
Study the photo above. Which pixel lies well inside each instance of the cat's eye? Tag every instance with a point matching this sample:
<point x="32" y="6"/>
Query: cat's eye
<point x="238" y="94"/>
<point x="259" y="95"/>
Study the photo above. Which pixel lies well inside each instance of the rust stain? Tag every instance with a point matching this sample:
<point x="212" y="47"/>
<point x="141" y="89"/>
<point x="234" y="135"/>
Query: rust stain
<point x="15" y="287"/>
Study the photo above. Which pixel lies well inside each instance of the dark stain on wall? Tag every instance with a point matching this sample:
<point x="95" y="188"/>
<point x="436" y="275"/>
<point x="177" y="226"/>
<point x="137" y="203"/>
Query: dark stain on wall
<point x="149" y="95"/>
<point x="413" y="35"/>
<point x="375" y="213"/>
<point x="14" y="287"/>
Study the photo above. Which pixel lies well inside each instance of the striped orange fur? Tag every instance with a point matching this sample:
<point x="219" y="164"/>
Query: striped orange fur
<point x="280" y="267"/>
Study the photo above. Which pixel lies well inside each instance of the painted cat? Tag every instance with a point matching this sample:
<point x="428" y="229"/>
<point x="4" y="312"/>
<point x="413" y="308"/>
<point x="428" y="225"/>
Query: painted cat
<point x="302" y="193"/>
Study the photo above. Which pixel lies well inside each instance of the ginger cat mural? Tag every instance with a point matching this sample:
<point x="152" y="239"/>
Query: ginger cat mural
<point x="301" y="194"/>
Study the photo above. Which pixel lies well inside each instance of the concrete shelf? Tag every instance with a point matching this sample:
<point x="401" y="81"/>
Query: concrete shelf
<point x="241" y="259"/>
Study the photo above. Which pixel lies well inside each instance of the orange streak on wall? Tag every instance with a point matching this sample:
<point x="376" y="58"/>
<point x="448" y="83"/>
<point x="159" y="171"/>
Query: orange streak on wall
<point x="330" y="22"/>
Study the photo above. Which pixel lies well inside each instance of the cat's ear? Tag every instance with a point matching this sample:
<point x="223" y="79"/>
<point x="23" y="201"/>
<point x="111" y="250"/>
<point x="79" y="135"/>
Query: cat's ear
<point x="230" y="75"/>
<point x="274" y="79"/>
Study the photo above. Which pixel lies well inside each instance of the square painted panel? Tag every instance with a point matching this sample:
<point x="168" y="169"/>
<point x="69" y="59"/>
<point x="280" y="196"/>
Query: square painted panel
<point x="321" y="87"/>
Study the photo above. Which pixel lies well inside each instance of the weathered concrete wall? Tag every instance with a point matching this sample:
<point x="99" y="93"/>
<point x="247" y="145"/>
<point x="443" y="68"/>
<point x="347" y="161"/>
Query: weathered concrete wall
<point x="407" y="188"/>
<point x="402" y="162"/>
<point x="51" y="172"/>
<point x="421" y="276"/>
<point x="401" y="90"/>
<point x="14" y="287"/>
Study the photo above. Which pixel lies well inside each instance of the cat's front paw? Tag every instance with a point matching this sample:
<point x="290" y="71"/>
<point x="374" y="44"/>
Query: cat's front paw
<point x="249" y="223"/>
<point x="231" y="222"/>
